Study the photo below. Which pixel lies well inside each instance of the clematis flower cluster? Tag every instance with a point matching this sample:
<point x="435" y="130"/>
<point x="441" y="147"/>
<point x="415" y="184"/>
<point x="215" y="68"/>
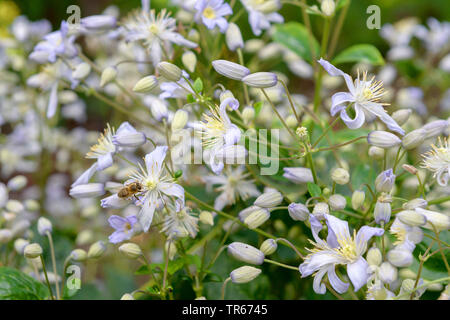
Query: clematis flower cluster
<point x="208" y="149"/>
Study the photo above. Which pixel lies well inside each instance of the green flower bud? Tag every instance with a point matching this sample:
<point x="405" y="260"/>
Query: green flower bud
<point x="244" y="274"/>
<point x="146" y="84"/>
<point x="96" y="250"/>
<point x="131" y="250"/>
<point x="268" y="247"/>
<point x="32" y="251"/>
<point x="108" y="75"/>
<point x="169" y="71"/>
<point x="78" y="255"/>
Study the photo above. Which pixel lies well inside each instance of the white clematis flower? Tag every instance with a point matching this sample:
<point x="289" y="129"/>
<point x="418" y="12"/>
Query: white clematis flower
<point x="438" y="161"/>
<point x="155" y="30"/>
<point x="339" y="248"/>
<point x="363" y="96"/>
<point x="156" y="186"/>
<point x="232" y="185"/>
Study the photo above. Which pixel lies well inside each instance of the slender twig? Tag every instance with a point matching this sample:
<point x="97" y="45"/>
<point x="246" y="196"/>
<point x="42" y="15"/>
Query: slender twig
<point x="46" y="277"/>
<point x="55" y="270"/>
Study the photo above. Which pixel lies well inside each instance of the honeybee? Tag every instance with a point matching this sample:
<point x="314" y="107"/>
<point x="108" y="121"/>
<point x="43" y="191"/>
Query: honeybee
<point x="130" y="190"/>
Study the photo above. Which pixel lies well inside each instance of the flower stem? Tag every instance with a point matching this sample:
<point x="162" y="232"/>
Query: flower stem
<point x="325" y="132"/>
<point x="241" y="61"/>
<point x="278" y="115"/>
<point x="281" y="264"/>
<point x="46" y="277"/>
<point x="439" y="200"/>
<point x="290" y="100"/>
<point x="55" y="270"/>
<point x="224" y="287"/>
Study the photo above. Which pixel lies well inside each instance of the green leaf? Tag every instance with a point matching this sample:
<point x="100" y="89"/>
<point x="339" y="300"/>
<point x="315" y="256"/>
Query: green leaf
<point x="295" y="37"/>
<point x="314" y="190"/>
<point x="360" y="53"/>
<point x="16" y="285"/>
<point x="257" y="106"/>
<point x="198" y="85"/>
<point x="190" y="98"/>
<point x="193" y="259"/>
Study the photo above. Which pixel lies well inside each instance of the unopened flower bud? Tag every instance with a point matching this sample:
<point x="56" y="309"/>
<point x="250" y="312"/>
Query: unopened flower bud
<point x="96" y="250"/>
<point x="131" y="250"/>
<point x="298" y="211"/>
<point x="292" y="122"/>
<point x="385" y="181"/>
<point x="358" y="198"/>
<point x="14" y="206"/>
<point x="415" y="203"/>
<point x="337" y="202"/>
<point x="44" y="225"/>
<point x="32" y="205"/>
<point x="128" y="136"/>
<point x="298" y="174"/>
<point x="233" y="37"/>
<point x="206" y="217"/>
<point x="340" y="176"/>
<point x="269" y="199"/>
<point x="3" y="194"/>
<point x="387" y="273"/>
<point x="189" y="60"/>
<point x="146" y="84"/>
<point x="19" y="245"/>
<point x="408" y="285"/>
<point x="108" y="75"/>
<point x="374" y="256"/>
<point x="440" y="222"/>
<point x="159" y="109"/>
<point x="169" y="71"/>
<point x="179" y="120"/>
<point x="411" y="218"/>
<point x="32" y="251"/>
<point x="246" y="253"/>
<point x="406" y="273"/>
<point x="376" y="152"/>
<point x="400" y="257"/>
<point x="89" y="190"/>
<point x="17" y="183"/>
<point x="257" y="218"/>
<point x="81" y="71"/>
<point x="401" y="116"/>
<point x="244" y="274"/>
<point x="171" y="249"/>
<point x="328" y="7"/>
<point x="193" y="35"/>
<point x="435" y="128"/>
<point x="78" y="255"/>
<point x="320" y="209"/>
<point x="382" y="211"/>
<point x="261" y="80"/>
<point x="413" y="139"/>
<point x="383" y="139"/>
<point x="127" y="296"/>
<point x="230" y="69"/>
<point x="98" y="22"/>
<point x="248" y="114"/>
<point x="268" y="247"/>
